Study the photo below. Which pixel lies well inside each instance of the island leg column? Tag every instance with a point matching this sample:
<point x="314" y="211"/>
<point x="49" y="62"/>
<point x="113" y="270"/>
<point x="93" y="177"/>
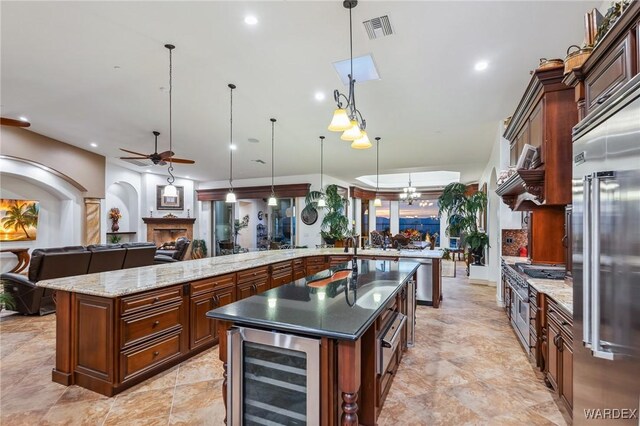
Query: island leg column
<point x="223" y="326"/>
<point x="349" y="379"/>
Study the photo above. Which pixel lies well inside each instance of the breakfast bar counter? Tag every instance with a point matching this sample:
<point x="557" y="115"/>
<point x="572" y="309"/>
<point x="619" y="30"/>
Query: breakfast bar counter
<point x="115" y="329"/>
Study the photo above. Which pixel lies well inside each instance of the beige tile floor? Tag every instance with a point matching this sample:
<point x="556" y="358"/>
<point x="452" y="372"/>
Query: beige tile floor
<point x="467" y="368"/>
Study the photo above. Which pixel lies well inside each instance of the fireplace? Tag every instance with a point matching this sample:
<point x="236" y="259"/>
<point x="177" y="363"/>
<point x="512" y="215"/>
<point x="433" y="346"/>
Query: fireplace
<point x="162" y="230"/>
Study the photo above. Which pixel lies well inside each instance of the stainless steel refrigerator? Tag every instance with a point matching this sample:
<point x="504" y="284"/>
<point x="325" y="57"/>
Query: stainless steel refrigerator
<point x="606" y="261"/>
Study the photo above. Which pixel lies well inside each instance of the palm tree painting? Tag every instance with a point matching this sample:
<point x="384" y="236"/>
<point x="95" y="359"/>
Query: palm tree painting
<point x="19" y="220"/>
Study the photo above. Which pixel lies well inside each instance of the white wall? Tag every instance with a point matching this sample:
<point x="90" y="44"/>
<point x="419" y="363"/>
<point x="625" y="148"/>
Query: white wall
<point x="60" y="221"/>
<point x="499" y="216"/>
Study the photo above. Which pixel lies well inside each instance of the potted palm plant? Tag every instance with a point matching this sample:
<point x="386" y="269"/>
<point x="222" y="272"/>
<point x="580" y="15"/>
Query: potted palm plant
<point x="334" y="224"/>
<point x="463" y="211"/>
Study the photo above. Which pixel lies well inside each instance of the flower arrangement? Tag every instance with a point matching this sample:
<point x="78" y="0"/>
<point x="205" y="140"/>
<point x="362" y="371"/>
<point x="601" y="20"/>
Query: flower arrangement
<point x="412" y="234"/>
<point x="114" y="214"/>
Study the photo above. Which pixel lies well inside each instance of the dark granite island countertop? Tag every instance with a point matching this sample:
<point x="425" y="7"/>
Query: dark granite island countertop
<point x="342" y="309"/>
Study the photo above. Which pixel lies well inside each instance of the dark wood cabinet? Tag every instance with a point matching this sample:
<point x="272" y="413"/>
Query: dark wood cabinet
<point x="203" y="330"/>
<point x="316" y="264"/>
<point x="252" y="281"/>
<point x="546" y="235"/>
<point x="338" y="260"/>
<point x="553" y="361"/>
<point x="281" y="273"/>
<point x="611" y="73"/>
<point x="559" y="367"/>
<point x="299" y="269"/>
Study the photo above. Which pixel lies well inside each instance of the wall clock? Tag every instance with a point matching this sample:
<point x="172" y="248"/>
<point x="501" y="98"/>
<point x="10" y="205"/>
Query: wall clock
<point x="309" y="216"/>
<point x="260" y="215"/>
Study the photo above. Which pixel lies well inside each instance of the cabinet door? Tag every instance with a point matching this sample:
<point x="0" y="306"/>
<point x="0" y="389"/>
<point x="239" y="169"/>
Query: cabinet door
<point x="246" y="290"/>
<point x="566" y="390"/>
<point x="553" y="360"/>
<point x="261" y="286"/>
<point x="536" y="129"/>
<point x="202" y="329"/>
<point x="223" y="296"/>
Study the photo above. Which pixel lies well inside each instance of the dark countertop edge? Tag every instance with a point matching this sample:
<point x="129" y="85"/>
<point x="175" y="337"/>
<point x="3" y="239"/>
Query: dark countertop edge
<point x="315" y="332"/>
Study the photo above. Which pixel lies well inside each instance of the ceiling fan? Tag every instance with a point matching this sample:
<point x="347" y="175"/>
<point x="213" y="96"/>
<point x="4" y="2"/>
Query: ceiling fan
<point x="157" y="158"/>
<point x="12" y="122"/>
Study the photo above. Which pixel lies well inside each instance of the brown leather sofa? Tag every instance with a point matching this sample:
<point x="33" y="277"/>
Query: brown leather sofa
<point x="62" y="262"/>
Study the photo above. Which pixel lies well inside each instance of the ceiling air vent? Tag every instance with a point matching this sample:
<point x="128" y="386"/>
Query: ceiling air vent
<point x="378" y="27"/>
<point x="137" y="163"/>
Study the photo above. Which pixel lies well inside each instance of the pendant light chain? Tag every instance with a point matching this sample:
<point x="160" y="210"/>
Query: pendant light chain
<point x="321" y="160"/>
<point x="170" y="179"/>
<point x="273" y="122"/>
<point x="377" y="165"/>
<point x="231" y="140"/>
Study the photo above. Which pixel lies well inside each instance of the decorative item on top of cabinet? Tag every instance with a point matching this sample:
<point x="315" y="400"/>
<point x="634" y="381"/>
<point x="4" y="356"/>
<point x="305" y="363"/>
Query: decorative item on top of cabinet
<point x="612" y="63"/>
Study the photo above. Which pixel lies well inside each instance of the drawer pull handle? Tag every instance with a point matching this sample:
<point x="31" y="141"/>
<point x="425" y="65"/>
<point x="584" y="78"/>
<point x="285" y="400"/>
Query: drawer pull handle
<point x="156" y="353"/>
<point x="603" y="99"/>
<point x="156" y="299"/>
<point x="255" y="273"/>
<point x="565" y="323"/>
<point x="156" y="323"/>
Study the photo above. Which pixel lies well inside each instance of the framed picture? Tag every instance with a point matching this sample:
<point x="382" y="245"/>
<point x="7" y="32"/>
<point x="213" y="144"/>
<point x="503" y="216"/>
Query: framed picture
<point x="18" y="219"/>
<point x="169" y="203"/>
<point x="527" y="157"/>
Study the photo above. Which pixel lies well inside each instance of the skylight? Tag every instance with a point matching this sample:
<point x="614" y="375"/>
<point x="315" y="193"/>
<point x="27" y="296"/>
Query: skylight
<point x="363" y="69"/>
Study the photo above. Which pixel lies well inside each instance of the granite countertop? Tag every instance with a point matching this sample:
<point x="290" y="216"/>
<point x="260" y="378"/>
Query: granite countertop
<point x="559" y="290"/>
<point x="134" y="280"/>
<point x="340" y="309"/>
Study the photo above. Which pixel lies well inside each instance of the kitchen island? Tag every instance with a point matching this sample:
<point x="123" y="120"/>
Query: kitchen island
<point x="118" y="328"/>
<point x="319" y="350"/>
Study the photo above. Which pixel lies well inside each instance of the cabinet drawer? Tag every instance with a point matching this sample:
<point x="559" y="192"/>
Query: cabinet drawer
<point x="298" y="263"/>
<point x="612" y="72"/>
<point x="279" y="269"/>
<point x="337" y="260"/>
<point x="139" y="302"/>
<point x="137" y="361"/>
<point x="316" y="260"/>
<point x="210" y="284"/>
<point x="284" y="279"/>
<point x="253" y="274"/>
<point x="299" y="274"/>
<point x="560" y="317"/>
<point x="136" y="328"/>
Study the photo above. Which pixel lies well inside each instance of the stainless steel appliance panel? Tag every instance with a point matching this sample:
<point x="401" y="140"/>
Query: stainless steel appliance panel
<point x="424" y="284"/>
<point x="606" y="258"/>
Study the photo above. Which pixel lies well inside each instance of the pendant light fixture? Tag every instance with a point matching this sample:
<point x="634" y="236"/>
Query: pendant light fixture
<point x="377" y="202"/>
<point x="272" y="199"/>
<point x="170" y="190"/>
<point x="409" y="193"/>
<point x="231" y="196"/>
<point x="347" y="118"/>
<point x="321" y="201"/>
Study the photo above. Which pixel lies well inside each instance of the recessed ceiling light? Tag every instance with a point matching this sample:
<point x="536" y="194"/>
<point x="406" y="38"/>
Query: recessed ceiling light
<point x="22" y="118"/>
<point x="148" y="171"/>
<point x="116" y="67"/>
<point x="93" y="144"/>
<point x="233" y="146"/>
<point x="481" y="66"/>
<point x="250" y="20"/>
<point x="188" y="177"/>
<point x="319" y="96"/>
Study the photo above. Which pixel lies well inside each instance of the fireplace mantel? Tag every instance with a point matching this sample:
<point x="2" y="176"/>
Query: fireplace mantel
<point x="164" y="229"/>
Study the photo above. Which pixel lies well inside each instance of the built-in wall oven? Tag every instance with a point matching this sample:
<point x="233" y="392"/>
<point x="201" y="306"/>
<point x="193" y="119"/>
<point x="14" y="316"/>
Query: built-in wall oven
<point x="519" y="305"/>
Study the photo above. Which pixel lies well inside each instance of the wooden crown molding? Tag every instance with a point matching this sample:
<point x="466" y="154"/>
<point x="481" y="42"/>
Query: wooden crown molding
<point x="252" y="192"/>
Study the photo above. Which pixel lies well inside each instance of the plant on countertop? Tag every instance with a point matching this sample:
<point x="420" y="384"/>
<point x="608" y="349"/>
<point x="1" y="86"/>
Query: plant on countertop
<point x="198" y="249"/>
<point x="463" y="211"/>
<point x="334" y="223"/>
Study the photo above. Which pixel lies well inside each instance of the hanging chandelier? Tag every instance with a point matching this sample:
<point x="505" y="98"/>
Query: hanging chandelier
<point x="409" y="193"/>
<point x="231" y="196"/>
<point x="377" y="202"/>
<point x="170" y="189"/>
<point x="347" y="118"/>
<point x="321" y="201"/>
<point x="272" y="198"/>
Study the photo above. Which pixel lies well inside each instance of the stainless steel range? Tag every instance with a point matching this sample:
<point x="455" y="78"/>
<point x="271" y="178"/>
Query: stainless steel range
<point x="519" y="304"/>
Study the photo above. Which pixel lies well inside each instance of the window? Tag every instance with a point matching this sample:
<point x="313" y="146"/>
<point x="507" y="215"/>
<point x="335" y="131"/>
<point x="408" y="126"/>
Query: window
<point x="222" y="226"/>
<point x="383" y="217"/>
<point x="283" y="223"/>
<point x="364" y="219"/>
<point x="421" y="217"/>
